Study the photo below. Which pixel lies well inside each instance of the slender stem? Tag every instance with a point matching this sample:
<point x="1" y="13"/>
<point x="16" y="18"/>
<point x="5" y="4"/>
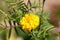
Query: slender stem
<point x="39" y="4"/>
<point x="43" y="5"/>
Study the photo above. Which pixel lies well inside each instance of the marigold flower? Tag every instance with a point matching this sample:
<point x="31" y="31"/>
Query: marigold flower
<point x="29" y="21"/>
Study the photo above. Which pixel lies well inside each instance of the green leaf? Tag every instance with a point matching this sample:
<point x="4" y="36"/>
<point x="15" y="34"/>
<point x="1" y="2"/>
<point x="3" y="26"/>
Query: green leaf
<point x="3" y="35"/>
<point x="50" y="37"/>
<point x="21" y="32"/>
<point x="10" y="30"/>
<point x="10" y="1"/>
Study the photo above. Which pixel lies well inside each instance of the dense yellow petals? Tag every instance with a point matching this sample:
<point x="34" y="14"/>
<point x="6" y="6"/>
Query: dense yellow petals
<point x="29" y="21"/>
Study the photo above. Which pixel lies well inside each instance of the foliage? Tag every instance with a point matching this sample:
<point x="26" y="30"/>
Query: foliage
<point x="16" y="10"/>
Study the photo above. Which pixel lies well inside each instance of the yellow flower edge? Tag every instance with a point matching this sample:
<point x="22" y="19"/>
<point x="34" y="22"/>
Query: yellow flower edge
<point x="29" y="21"/>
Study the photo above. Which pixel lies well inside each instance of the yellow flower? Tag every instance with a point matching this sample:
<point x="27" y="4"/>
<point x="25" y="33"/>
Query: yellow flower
<point x="29" y="22"/>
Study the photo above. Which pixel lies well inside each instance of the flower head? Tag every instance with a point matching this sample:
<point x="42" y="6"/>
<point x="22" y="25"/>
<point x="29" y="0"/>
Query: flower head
<point x="29" y="21"/>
